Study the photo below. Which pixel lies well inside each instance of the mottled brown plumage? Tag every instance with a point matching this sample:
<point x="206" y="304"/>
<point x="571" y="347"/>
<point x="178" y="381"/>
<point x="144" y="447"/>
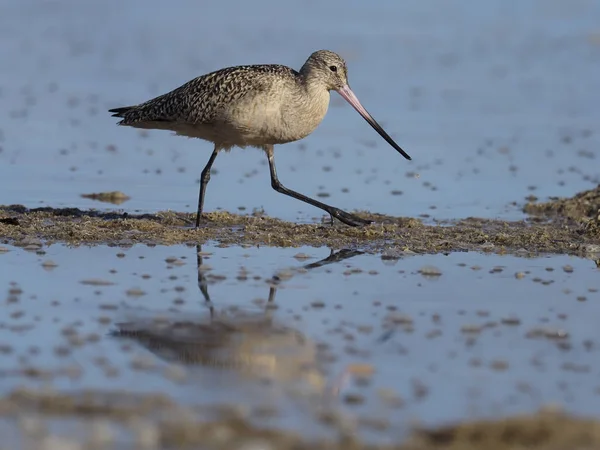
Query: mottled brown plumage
<point x="259" y="106"/>
<point x="200" y="100"/>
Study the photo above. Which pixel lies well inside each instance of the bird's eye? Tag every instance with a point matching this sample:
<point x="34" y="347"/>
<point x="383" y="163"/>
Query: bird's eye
<point x="333" y="68"/>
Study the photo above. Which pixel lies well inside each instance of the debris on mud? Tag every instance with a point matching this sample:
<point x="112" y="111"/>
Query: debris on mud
<point x="583" y="209"/>
<point x="161" y="423"/>
<point x="546" y="430"/>
<point x="114" y="197"/>
<point x="409" y="235"/>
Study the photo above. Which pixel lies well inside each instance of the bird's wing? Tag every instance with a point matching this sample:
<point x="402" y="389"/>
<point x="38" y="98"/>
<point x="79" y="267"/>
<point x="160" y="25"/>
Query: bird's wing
<point x="203" y="98"/>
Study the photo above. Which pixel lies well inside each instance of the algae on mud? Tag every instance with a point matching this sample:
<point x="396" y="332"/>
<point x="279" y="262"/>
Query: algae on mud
<point x="174" y="425"/>
<point x="583" y="209"/>
<point x="114" y="197"/>
<point x="166" y="424"/>
<point x="557" y="234"/>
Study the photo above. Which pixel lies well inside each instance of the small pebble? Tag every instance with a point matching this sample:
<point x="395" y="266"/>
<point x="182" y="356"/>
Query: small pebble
<point x="134" y="292"/>
<point x="354" y="399"/>
<point x="49" y="264"/>
<point x="511" y="320"/>
<point x="96" y="282"/>
<point x="430" y="271"/>
<point x="499" y="365"/>
<point x="301" y="256"/>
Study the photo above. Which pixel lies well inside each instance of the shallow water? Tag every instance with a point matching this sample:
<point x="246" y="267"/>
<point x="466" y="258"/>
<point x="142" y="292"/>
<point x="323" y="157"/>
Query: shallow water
<point x="419" y="338"/>
<point x="493" y="101"/>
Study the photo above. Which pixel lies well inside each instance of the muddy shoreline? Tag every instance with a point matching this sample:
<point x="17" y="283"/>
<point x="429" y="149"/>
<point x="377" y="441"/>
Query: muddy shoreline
<point x="565" y="226"/>
<point x="548" y="429"/>
<point x="560" y="226"/>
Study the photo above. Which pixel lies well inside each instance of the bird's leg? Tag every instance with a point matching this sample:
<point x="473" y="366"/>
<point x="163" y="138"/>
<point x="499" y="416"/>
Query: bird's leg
<point x="343" y="216"/>
<point x="204" y="179"/>
<point x="202" y="282"/>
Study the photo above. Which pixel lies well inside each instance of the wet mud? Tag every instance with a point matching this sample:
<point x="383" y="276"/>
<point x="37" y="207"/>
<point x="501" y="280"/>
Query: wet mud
<point x="582" y="209"/>
<point x="168" y="425"/>
<point x="465" y="317"/>
<point x="261" y="348"/>
<point x="114" y="197"/>
<point x="568" y="226"/>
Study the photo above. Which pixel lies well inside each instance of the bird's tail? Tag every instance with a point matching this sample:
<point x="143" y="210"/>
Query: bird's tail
<point x="141" y="115"/>
<point x="120" y="112"/>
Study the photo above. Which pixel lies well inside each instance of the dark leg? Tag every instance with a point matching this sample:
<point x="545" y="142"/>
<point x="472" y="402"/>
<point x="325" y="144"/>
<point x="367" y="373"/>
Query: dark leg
<point x="202" y="284"/>
<point x="204" y="179"/>
<point x="347" y="218"/>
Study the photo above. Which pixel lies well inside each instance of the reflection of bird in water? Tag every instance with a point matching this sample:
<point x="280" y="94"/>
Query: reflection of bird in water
<point x="243" y="341"/>
<point x="334" y="257"/>
<point x="236" y="339"/>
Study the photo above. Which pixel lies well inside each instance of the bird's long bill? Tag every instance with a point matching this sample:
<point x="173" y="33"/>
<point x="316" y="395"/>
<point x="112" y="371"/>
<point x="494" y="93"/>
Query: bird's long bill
<point x="349" y="96"/>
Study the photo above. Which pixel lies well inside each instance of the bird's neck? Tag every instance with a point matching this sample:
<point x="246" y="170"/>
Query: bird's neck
<point x="313" y="87"/>
<point x="311" y="74"/>
<point x="303" y="107"/>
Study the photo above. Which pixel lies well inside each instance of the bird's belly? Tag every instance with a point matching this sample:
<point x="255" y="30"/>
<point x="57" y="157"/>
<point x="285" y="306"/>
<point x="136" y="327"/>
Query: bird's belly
<point x="260" y="121"/>
<point x="238" y="134"/>
<point x="273" y="122"/>
<point x="263" y="125"/>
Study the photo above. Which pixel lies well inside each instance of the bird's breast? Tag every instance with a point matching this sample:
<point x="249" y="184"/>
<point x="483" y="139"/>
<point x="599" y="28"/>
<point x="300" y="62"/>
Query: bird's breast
<point x="304" y="114"/>
<point x="278" y="117"/>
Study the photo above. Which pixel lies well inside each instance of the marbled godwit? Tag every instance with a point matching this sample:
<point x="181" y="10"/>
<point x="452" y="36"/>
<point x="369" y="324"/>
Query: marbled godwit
<point x="257" y="106"/>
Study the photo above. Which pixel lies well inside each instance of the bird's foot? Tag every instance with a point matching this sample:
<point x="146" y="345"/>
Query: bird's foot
<point x="349" y="219"/>
<point x="200" y="219"/>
